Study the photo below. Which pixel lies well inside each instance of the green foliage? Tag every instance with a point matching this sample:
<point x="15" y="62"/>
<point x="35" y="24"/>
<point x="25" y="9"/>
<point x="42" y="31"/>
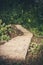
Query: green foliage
<point x="36" y="48"/>
<point x="4" y="29"/>
<point x="4" y="37"/>
<point x="25" y="12"/>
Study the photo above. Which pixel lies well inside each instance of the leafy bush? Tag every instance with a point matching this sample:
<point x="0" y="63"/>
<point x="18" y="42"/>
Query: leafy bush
<point x="25" y="12"/>
<point x="4" y="30"/>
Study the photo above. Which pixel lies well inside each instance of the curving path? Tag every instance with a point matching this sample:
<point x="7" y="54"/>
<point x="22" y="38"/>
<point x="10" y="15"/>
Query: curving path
<point x="17" y="47"/>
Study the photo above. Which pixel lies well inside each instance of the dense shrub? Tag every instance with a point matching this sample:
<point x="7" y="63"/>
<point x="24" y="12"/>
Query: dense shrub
<point x="4" y="30"/>
<point x="25" y="12"/>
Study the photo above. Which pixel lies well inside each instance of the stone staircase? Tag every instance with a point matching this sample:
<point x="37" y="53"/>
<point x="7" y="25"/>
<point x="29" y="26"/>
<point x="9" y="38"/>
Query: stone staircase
<point x="16" y="48"/>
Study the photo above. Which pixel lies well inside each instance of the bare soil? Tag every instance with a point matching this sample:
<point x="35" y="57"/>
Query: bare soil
<point x="35" y="58"/>
<point x="15" y="32"/>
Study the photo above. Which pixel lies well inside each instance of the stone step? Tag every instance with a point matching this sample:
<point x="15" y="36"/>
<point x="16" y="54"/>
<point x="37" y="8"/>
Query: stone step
<point x="17" y="47"/>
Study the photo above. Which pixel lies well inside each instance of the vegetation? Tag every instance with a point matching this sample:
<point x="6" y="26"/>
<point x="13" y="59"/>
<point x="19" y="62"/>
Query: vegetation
<point x="28" y="13"/>
<point x="4" y="30"/>
<point x="8" y="31"/>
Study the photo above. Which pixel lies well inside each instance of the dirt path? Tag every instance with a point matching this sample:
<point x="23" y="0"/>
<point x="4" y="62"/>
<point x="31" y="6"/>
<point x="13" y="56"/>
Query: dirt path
<point x="17" y="47"/>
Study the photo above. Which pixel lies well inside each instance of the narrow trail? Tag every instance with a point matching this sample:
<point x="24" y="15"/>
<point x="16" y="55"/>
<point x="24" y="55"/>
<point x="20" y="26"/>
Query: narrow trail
<point x="16" y="48"/>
